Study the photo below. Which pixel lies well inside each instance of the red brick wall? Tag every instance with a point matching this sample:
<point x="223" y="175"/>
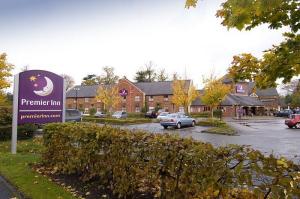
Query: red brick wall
<point x="165" y="103"/>
<point x="82" y="104"/>
<point x="130" y="102"/>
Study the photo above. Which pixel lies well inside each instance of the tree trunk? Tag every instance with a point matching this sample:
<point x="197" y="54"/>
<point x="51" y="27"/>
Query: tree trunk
<point x="212" y="112"/>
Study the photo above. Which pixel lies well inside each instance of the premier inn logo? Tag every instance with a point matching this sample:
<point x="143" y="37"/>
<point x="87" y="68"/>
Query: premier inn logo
<point x="41" y="85"/>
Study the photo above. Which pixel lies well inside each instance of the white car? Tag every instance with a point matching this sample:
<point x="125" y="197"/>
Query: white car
<point x="100" y="114"/>
<point x="119" y="114"/>
<point x="162" y="115"/>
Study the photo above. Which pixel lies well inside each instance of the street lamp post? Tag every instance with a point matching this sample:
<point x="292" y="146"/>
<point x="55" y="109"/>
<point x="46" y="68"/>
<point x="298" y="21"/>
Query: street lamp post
<point x="76" y="95"/>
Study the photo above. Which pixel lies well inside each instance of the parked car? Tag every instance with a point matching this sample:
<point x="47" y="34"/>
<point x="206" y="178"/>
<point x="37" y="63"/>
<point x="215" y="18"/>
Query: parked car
<point x="151" y="114"/>
<point x="100" y="114"/>
<point x="293" y="121"/>
<point x="177" y="120"/>
<point x="120" y="114"/>
<point x="73" y="115"/>
<point x="162" y="115"/>
<point x="284" y="113"/>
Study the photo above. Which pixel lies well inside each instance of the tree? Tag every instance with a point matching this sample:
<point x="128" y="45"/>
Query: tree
<point x="5" y="73"/>
<point x="295" y="97"/>
<point x="183" y="95"/>
<point x="69" y="81"/>
<point x="90" y="80"/>
<point x="214" y="92"/>
<point x="282" y="61"/>
<point x="162" y="76"/>
<point x="109" y="96"/>
<point x="146" y="75"/>
<point x="108" y="77"/>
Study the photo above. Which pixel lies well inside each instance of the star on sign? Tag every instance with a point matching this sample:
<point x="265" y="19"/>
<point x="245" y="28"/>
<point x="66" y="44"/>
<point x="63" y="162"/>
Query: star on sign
<point x="32" y="78"/>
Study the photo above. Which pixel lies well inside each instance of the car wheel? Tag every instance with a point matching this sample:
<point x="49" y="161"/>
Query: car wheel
<point x="298" y="125"/>
<point x="290" y="127"/>
<point x="165" y="127"/>
<point x="178" y="125"/>
<point x="193" y="123"/>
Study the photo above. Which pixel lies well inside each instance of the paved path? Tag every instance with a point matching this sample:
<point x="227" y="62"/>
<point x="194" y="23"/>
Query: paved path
<point x="7" y="191"/>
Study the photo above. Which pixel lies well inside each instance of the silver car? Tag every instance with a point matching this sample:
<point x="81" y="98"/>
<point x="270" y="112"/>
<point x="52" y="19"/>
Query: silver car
<point x="162" y="115"/>
<point x="177" y="120"/>
<point x="119" y="114"/>
<point x="73" y="115"/>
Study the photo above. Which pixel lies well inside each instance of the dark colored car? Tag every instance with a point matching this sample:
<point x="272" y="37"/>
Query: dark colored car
<point x="294" y="121"/>
<point x="73" y="115"/>
<point x="284" y="113"/>
<point x="151" y="114"/>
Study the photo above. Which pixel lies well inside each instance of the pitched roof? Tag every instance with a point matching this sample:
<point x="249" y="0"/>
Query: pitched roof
<point x="231" y="100"/>
<point x="158" y="88"/>
<point x="263" y="92"/>
<point x="84" y="91"/>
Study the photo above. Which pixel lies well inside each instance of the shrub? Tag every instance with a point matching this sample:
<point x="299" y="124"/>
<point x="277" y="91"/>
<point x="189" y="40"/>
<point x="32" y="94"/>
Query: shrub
<point x="92" y="111"/>
<point x="211" y="122"/>
<point x="165" y="166"/>
<point x="116" y="121"/>
<point x="135" y="115"/>
<point x="25" y="131"/>
<point x="5" y="115"/>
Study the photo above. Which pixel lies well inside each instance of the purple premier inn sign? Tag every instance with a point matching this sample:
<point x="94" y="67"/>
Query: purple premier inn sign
<point x="39" y="98"/>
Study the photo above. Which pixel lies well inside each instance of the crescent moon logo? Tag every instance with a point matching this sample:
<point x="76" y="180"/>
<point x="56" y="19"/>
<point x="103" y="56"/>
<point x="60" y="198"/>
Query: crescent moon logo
<point x="47" y="90"/>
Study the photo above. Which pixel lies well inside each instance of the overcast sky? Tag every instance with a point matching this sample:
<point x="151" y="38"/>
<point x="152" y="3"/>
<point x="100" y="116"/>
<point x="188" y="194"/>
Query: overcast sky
<point x="79" y="37"/>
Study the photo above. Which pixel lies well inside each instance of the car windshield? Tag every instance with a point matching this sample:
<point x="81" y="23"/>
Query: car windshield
<point x="118" y="113"/>
<point x="163" y="114"/>
<point x="173" y="115"/>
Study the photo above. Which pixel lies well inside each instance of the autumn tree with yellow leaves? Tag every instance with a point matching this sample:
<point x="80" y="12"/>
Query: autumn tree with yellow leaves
<point x="5" y="73"/>
<point x="182" y="94"/>
<point x="214" y="92"/>
<point x="109" y="96"/>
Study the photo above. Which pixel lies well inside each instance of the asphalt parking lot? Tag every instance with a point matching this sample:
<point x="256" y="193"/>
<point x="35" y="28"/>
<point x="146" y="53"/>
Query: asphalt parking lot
<point x="268" y="136"/>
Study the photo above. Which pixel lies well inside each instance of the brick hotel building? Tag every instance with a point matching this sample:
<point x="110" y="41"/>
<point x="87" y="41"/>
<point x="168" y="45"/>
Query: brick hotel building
<point x="138" y="95"/>
<point x="159" y="94"/>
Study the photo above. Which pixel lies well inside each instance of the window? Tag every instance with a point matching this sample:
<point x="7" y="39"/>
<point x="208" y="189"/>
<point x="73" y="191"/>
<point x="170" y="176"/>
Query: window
<point x="86" y="99"/>
<point x="98" y="101"/>
<point x="124" y="99"/>
<point x="166" y="98"/>
<point x="206" y="108"/>
<point x="123" y="109"/>
<point x="86" y="110"/>
<point x="151" y="98"/>
<point x="74" y="101"/>
<point x="137" y="98"/>
<point x="137" y="109"/>
<point x="151" y="108"/>
<point x="69" y="106"/>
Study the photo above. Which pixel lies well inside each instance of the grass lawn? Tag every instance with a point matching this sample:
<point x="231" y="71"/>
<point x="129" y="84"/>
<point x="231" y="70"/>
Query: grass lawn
<point x="222" y="130"/>
<point x="17" y="169"/>
<point x="217" y="127"/>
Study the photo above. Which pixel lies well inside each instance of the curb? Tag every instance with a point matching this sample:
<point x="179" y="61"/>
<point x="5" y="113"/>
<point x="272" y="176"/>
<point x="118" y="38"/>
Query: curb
<point x="8" y="191"/>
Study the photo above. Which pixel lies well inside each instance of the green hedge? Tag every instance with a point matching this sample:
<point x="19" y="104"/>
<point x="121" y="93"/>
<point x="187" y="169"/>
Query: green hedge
<point x="116" y="121"/>
<point x="24" y="131"/>
<point x="165" y="166"/>
<point x="5" y="115"/>
<point x="211" y="122"/>
<point x="206" y="114"/>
